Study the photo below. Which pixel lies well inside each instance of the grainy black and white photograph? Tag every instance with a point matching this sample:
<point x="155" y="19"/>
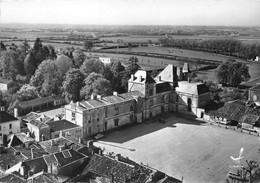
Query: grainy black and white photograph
<point x="130" y="91"/>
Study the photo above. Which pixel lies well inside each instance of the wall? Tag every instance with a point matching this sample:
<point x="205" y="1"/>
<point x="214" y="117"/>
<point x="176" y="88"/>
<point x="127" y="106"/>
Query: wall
<point x="44" y="133"/>
<point x="203" y="99"/>
<point x="15" y="127"/>
<point x="69" y="169"/>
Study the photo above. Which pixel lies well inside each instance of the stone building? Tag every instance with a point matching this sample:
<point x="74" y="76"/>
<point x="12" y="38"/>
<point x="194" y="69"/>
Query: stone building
<point x="146" y="97"/>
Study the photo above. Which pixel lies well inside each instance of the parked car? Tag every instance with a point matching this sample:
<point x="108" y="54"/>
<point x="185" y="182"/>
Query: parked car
<point x="99" y="136"/>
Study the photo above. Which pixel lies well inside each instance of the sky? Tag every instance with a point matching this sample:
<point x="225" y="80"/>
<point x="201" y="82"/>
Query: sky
<point x="132" y="12"/>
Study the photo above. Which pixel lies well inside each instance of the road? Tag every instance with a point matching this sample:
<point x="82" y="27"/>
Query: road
<point x="196" y="151"/>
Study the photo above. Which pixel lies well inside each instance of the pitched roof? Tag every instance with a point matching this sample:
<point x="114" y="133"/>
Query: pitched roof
<point x="192" y="88"/>
<point x="64" y="157"/>
<point x="50" y="178"/>
<point x="52" y="146"/>
<point x="240" y="113"/>
<point x="38" y="101"/>
<point x="30" y="116"/>
<point x="35" y="165"/>
<point x="6" y="117"/>
<point x="252" y="82"/>
<point x="168" y="74"/>
<point x="105" y="166"/>
<point x="38" y="123"/>
<point x="9" y="158"/>
<point x="13" y="178"/>
<point x="18" y="139"/>
<point x="146" y="77"/>
<point x="61" y="125"/>
<point x="37" y="151"/>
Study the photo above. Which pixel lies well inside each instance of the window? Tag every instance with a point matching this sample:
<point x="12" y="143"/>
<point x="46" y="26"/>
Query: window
<point x="177" y="98"/>
<point x="131" y="107"/>
<point x="89" y="130"/>
<point x="116" y="122"/>
<point x="116" y="111"/>
<point x="73" y="116"/>
<point x="97" y="119"/>
<point x="151" y="92"/>
<point x="10" y="126"/>
<point x="162" y="99"/>
<point x="151" y="102"/>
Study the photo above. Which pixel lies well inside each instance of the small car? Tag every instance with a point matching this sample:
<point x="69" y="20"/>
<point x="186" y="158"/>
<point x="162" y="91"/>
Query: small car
<point x="99" y="136"/>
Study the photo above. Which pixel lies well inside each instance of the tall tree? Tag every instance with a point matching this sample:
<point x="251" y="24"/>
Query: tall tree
<point x="95" y="83"/>
<point x="30" y="64"/>
<point x="118" y="71"/>
<point x="92" y="65"/>
<point x="79" y="57"/>
<point x="232" y="73"/>
<point x="72" y="85"/>
<point x="64" y="64"/>
<point x="87" y="45"/>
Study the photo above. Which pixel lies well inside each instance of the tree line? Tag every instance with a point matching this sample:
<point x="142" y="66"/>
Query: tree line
<point x="38" y="72"/>
<point x="230" y="47"/>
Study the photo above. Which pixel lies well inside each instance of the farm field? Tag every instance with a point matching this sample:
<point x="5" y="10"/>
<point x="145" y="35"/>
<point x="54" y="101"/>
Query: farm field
<point x="198" y="152"/>
<point x="176" y="52"/>
<point x="144" y="39"/>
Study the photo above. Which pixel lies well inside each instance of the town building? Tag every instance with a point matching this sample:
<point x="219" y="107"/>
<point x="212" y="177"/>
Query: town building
<point x="191" y="97"/>
<point x="8" y="124"/>
<point x="146" y="98"/>
<point x="5" y="84"/>
<point x="105" y="60"/>
<point x="39" y="104"/>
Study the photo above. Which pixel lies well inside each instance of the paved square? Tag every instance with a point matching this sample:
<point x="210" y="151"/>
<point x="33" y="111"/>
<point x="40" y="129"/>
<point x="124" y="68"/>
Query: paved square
<point x="199" y="152"/>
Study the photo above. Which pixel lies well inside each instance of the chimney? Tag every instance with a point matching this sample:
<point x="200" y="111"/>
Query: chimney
<point x="132" y="77"/>
<point x="140" y="79"/>
<point x="115" y="93"/>
<point x="60" y="134"/>
<point x="28" y="134"/>
<point x="22" y="170"/>
<point x="32" y="153"/>
<point x="99" y="97"/>
<point x="90" y="144"/>
<point x="93" y="96"/>
<point x="100" y="152"/>
<point x="159" y="78"/>
<point x="189" y="80"/>
<point x="77" y="103"/>
<point x="15" y="112"/>
<point x="80" y="140"/>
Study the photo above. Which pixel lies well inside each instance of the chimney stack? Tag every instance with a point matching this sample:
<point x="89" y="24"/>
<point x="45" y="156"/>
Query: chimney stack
<point x="99" y="97"/>
<point x="15" y="112"/>
<point x="140" y="79"/>
<point x="80" y="140"/>
<point x="132" y="77"/>
<point x="93" y="96"/>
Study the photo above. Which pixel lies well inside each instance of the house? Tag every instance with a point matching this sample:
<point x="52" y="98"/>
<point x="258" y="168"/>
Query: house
<point x="254" y="94"/>
<point x="105" y="60"/>
<point x="36" y="116"/>
<point x="40" y="104"/>
<point x="39" y="130"/>
<point x="110" y="168"/>
<point x="13" y="178"/>
<point x="10" y="159"/>
<point x="192" y="97"/>
<point x="146" y="97"/>
<point x="5" y="84"/>
<point x="100" y="114"/>
<point x="65" y="127"/>
<point x="8" y="124"/>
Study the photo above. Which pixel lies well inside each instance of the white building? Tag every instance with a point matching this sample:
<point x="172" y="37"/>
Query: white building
<point x="8" y="124"/>
<point x="105" y="60"/>
<point x="257" y="59"/>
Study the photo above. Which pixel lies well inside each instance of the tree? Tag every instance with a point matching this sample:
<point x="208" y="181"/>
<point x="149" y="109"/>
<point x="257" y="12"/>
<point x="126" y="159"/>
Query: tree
<point x="118" y="70"/>
<point x="95" y="83"/>
<point x="87" y="45"/>
<point x="232" y="73"/>
<point x="64" y="64"/>
<point x="79" y="58"/>
<point x="92" y="65"/>
<point x="47" y="79"/>
<point x="2" y="46"/>
<point x="30" y="64"/>
<point x="27" y="92"/>
<point x="72" y="85"/>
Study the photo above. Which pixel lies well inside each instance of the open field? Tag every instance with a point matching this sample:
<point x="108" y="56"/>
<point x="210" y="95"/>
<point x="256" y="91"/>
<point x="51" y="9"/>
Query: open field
<point x="199" y="152"/>
<point x="176" y="52"/>
<point x="144" y="38"/>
